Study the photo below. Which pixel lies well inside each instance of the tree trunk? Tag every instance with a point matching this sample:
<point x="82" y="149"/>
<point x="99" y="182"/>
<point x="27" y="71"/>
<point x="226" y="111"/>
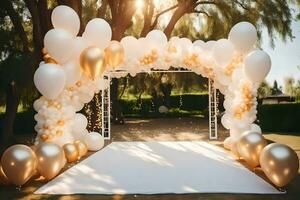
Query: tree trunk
<point x="116" y="112"/>
<point x="12" y="102"/>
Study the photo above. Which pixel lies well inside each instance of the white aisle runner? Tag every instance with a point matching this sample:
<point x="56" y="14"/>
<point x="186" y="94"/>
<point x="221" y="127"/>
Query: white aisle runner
<point x="158" y="167"/>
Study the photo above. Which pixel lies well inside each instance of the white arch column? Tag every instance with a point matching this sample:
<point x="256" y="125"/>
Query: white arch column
<point x="213" y="110"/>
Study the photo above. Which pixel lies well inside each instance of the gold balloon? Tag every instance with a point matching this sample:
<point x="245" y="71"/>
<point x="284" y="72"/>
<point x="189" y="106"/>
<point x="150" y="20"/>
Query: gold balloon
<point x="71" y="152"/>
<point x="50" y="159"/>
<point x="92" y="62"/>
<point x="3" y="179"/>
<point x="114" y="54"/>
<point x="18" y="163"/>
<point x="81" y="148"/>
<point x="280" y="163"/>
<point x="250" y="146"/>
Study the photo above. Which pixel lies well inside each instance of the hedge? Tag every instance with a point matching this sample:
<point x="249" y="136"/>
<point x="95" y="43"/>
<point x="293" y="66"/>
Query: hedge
<point x="279" y="117"/>
<point x="273" y="117"/>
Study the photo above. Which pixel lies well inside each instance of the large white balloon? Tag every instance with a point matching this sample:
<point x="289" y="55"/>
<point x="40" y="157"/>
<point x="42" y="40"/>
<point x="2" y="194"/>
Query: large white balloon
<point x="64" y="17"/>
<point x="158" y="37"/>
<point x="50" y="80"/>
<point x="223" y="52"/>
<point x="80" y="122"/>
<point x="59" y="44"/>
<point x="72" y="72"/>
<point x="130" y="45"/>
<point x="243" y="36"/>
<point x="94" y="141"/>
<point x="257" y="65"/>
<point x="98" y="32"/>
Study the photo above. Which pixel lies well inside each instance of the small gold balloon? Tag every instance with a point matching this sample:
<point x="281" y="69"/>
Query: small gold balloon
<point x="92" y="62"/>
<point x="81" y="148"/>
<point x="71" y="152"/>
<point x="50" y="158"/>
<point x="18" y="164"/>
<point x="280" y="163"/>
<point x="114" y="54"/>
<point x="250" y="146"/>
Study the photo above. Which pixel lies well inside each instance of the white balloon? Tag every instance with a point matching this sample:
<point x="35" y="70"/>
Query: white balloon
<point x="158" y="37"/>
<point x="59" y="44"/>
<point x="64" y="17"/>
<point x="94" y="141"/>
<point x="80" y="134"/>
<point x="79" y="45"/>
<point x="223" y="52"/>
<point x="256" y="128"/>
<point x="227" y="143"/>
<point x="257" y="65"/>
<point x="225" y="120"/>
<point x="130" y="45"/>
<point x="50" y="80"/>
<point x="199" y="43"/>
<point x="65" y="138"/>
<point x="243" y="36"/>
<point x="80" y="122"/>
<point x="209" y="45"/>
<point x="98" y="32"/>
<point x="72" y="72"/>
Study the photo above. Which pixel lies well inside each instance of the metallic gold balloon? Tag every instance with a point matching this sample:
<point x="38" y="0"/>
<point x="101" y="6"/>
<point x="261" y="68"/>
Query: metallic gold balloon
<point x="92" y="62"/>
<point x="50" y="158"/>
<point x="81" y="148"/>
<point x="71" y="152"/>
<point x="114" y="54"/>
<point x="3" y="179"/>
<point x="250" y="146"/>
<point x="18" y="163"/>
<point x="280" y="163"/>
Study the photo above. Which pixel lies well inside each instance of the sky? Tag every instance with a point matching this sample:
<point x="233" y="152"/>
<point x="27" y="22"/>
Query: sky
<point x="285" y="56"/>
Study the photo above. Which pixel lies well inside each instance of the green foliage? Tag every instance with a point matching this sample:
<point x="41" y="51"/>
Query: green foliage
<point x="279" y="117"/>
<point x="263" y="90"/>
<point x="145" y="107"/>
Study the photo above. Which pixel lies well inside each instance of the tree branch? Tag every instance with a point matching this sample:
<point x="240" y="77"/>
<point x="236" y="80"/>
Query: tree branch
<point x="102" y="9"/>
<point x="161" y="13"/>
<point x="16" y="20"/>
<point x="36" y="24"/>
<point x="202" y="12"/>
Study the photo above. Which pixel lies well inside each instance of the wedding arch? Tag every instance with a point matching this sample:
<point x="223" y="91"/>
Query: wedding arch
<point x="77" y="67"/>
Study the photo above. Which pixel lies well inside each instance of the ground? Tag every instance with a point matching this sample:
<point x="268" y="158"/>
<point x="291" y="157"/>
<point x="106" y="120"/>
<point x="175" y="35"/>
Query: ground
<point x="165" y="129"/>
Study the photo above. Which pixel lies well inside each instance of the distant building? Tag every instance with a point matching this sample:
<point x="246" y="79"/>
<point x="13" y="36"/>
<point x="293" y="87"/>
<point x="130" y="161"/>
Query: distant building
<point x="277" y="99"/>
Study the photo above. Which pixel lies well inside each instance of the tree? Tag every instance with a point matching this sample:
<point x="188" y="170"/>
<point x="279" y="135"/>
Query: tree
<point x="264" y="90"/>
<point x="25" y="23"/>
<point x="289" y="87"/>
<point x="275" y="89"/>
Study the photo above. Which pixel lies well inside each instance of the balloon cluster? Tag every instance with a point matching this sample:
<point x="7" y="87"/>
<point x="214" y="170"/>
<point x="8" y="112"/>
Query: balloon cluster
<point x="20" y="162"/>
<point x="278" y="161"/>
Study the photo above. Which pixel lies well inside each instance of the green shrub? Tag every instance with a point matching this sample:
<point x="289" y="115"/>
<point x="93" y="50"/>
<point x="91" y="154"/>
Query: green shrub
<point x="279" y="117"/>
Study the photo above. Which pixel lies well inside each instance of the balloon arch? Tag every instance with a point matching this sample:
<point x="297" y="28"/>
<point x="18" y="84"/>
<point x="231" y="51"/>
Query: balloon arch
<point x="75" y="68"/>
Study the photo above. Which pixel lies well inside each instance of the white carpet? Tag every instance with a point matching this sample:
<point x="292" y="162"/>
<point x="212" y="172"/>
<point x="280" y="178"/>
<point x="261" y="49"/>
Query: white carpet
<point x="158" y="167"/>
